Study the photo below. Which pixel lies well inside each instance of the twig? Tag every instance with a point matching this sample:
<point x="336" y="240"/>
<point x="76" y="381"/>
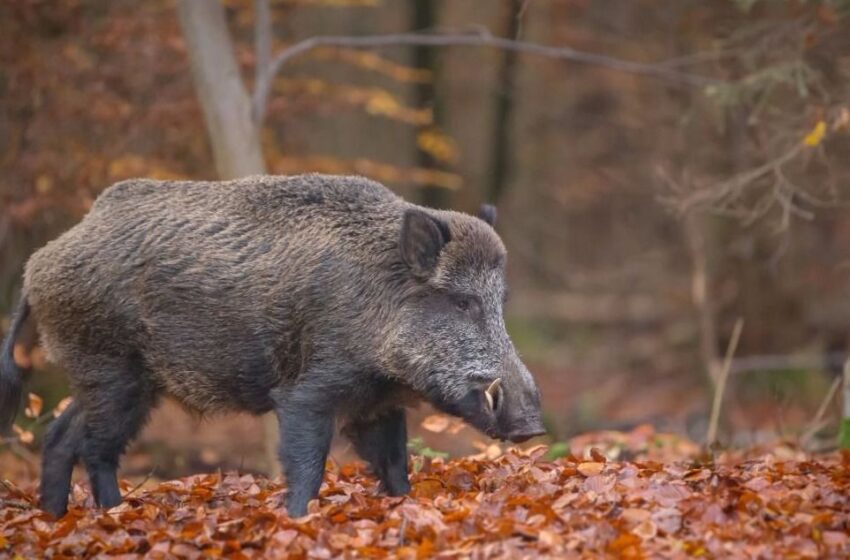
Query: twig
<point x="733" y="188"/>
<point x="140" y="484"/>
<point x="817" y="422"/>
<point x="401" y="531"/>
<point x="520" y="18"/>
<point x="15" y="491"/>
<point x="477" y="38"/>
<point x="711" y="437"/>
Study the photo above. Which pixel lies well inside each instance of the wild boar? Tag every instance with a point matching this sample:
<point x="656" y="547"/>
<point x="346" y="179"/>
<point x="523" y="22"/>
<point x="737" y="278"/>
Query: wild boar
<point x="316" y="297"/>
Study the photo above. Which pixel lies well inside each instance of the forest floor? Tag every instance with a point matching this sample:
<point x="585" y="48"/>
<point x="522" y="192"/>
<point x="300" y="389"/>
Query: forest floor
<point x="632" y="495"/>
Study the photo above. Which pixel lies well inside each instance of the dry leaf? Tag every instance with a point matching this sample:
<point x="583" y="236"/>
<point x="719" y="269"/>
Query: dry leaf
<point x="21" y="356"/>
<point x="590" y="468"/>
<point x="635" y="515"/>
<point x="436" y="423"/>
<point x="646" y="530"/>
<point x="516" y="505"/>
<point x="63" y="404"/>
<point x="34" y="405"/>
<point x="24" y="436"/>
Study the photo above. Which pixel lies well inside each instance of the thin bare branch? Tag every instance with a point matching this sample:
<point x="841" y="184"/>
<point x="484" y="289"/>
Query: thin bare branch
<point x="817" y="422"/>
<point x="732" y="188"/>
<point x="135" y="488"/>
<point x="477" y="38"/>
<point x="520" y="18"/>
<point x="720" y="388"/>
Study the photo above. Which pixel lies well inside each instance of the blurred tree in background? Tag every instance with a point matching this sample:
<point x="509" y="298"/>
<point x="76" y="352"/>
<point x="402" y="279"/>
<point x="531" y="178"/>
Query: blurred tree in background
<point x="643" y="215"/>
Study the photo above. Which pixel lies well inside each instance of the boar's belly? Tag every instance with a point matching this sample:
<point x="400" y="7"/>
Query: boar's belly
<point x="231" y="385"/>
<point x="211" y="358"/>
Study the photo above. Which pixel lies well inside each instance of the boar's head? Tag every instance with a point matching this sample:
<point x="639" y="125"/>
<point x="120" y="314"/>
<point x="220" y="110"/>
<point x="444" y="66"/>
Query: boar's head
<point x="448" y="338"/>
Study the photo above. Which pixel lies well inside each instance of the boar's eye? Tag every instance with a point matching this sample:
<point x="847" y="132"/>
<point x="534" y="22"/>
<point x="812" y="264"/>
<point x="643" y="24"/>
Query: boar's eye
<point x="466" y="303"/>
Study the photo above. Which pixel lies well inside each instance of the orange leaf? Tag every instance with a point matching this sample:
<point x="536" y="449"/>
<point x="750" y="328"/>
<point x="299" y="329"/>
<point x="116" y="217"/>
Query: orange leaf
<point x="436" y="423"/>
<point x="34" y="405"/>
<point x="590" y="468"/>
<point x="427" y="488"/>
<point x="63" y="404"/>
<point x="22" y="357"/>
<point x="24" y="436"/>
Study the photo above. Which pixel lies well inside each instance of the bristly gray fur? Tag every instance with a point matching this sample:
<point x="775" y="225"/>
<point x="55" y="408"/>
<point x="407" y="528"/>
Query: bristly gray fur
<point x="276" y="293"/>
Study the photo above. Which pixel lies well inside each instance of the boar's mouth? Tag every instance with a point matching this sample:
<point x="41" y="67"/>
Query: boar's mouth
<point x="484" y="408"/>
<point x="471" y="407"/>
<point x="522" y="436"/>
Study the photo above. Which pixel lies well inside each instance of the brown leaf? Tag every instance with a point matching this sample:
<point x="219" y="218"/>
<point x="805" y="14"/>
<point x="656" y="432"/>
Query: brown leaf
<point x="515" y="506"/>
<point x="63" y="404"/>
<point x="427" y="488"/>
<point x="550" y="538"/>
<point x="590" y="468"/>
<point x="668" y="520"/>
<point x="436" y="423"/>
<point x="21" y="356"/>
<point x="599" y="483"/>
<point x="635" y="515"/>
<point x="597" y="455"/>
<point x="645" y="530"/>
<point x="24" y="436"/>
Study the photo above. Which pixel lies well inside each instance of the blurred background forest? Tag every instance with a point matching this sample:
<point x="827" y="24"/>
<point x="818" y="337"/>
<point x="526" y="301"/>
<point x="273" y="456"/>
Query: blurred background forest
<point x="685" y="165"/>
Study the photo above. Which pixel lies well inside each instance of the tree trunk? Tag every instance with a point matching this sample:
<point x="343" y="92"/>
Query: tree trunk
<point x="500" y="150"/>
<point x="226" y="104"/>
<point x="425" y="58"/>
<point x="234" y="135"/>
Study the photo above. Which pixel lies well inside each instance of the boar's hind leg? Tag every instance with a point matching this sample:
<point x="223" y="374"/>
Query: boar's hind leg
<point x="306" y="429"/>
<point x="116" y="399"/>
<point x="383" y="443"/>
<point x="61" y="448"/>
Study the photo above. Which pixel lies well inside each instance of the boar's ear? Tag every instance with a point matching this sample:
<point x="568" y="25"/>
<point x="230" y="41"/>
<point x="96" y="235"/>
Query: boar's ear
<point x="422" y="238"/>
<point x="487" y="212"/>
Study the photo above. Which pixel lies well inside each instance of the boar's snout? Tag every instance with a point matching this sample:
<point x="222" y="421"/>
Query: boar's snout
<point x="513" y="406"/>
<point x="532" y="429"/>
<point x="519" y="419"/>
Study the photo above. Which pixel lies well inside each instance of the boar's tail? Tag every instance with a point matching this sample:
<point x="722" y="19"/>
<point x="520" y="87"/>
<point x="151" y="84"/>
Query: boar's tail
<point x="10" y="373"/>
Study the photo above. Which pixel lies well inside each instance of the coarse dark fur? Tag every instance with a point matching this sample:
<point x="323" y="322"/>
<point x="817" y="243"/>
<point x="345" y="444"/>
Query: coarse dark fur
<point x="317" y="297"/>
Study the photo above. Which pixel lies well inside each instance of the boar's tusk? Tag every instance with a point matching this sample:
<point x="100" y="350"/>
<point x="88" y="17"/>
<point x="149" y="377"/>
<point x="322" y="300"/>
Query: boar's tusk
<point x="491" y="392"/>
<point x="494" y="387"/>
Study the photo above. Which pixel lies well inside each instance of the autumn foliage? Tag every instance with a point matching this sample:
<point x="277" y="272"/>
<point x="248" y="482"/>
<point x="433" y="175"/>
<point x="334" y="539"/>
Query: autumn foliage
<point x="521" y="504"/>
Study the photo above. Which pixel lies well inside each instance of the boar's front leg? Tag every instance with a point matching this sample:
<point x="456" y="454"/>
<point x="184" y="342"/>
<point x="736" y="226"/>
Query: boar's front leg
<point x="382" y="442"/>
<point x="306" y="429"/>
